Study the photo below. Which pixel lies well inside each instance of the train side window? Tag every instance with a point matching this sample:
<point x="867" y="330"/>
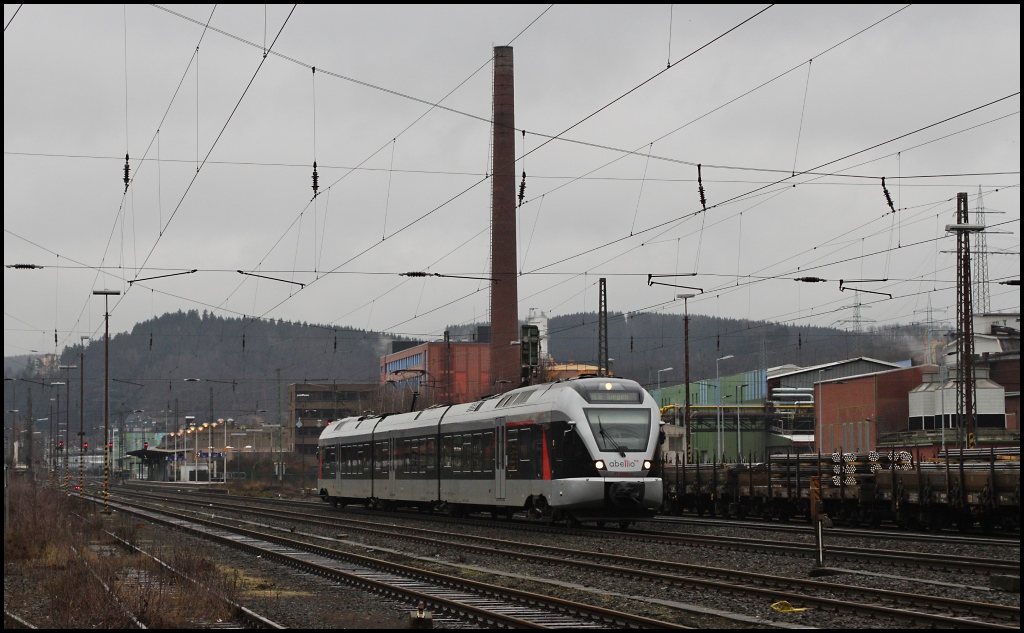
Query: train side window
<point x="431" y="456"/>
<point x="488" y="452"/>
<point x="360" y="464"/>
<point x="469" y="457"/>
<point x="525" y="449"/>
<point x="457" y="454"/>
<point x="406" y="456"/>
<point x="478" y="452"/>
<point x="512" y="450"/>
<point x="446" y="451"/>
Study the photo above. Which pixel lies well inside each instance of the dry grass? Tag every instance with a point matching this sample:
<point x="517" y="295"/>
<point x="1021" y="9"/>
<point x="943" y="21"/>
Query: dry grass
<point x="61" y="543"/>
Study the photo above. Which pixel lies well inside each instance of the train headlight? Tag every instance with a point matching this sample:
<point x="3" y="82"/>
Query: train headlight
<point x="599" y="464"/>
<point x="647" y="464"/>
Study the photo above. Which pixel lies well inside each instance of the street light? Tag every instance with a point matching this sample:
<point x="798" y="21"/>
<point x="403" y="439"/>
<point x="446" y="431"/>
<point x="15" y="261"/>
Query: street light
<point x="67" y="425"/>
<point x="81" y="419"/>
<point x="106" y="294"/>
<point x="189" y="427"/>
<point x="60" y="452"/>
<point x="659" y="385"/>
<point x="686" y="346"/>
<point x="718" y="397"/>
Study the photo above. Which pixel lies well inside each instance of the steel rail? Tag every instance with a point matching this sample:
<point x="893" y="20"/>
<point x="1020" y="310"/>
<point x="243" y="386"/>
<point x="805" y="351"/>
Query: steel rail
<point x="764" y="584"/>
<point x="553" y="607"/>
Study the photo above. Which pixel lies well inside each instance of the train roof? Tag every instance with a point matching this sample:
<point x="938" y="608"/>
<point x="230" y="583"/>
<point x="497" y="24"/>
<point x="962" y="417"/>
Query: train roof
<point x="547" y="393"/>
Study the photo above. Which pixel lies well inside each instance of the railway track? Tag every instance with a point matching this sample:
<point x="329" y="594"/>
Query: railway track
<point x="888" y="534"/>
<point x="898" y="606"/>
<point x="835" y="553"/>
<point x="475" y="602"/>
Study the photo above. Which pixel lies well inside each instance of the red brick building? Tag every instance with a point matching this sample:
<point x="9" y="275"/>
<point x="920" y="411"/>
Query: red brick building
<point x="854" y="411"/>
<point x="423" y="369"/>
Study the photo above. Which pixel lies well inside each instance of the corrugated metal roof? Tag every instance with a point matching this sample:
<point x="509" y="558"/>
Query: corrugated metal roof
<point x="837" y="363"/>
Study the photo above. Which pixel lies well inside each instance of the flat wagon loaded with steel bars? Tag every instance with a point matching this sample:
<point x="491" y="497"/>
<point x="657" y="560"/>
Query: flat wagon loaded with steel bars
<point x="959" y="488"/>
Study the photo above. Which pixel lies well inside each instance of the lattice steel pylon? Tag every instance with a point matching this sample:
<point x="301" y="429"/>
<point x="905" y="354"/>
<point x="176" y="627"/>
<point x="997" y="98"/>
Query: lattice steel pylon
<point x="965" y="403"/>
<point x="980" y="264"/>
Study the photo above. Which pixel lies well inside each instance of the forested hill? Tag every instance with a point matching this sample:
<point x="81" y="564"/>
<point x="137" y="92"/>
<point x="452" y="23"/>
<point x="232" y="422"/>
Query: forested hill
<point x="242" y="361"/>
<point x="244" y="365"/>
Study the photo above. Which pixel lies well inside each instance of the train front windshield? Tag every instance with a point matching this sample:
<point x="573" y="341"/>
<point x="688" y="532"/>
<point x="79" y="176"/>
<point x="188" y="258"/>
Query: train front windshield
<point x="620" y="430"/>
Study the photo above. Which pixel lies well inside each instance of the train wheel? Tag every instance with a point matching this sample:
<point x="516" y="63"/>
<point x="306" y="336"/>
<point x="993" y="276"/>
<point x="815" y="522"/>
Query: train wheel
<point x="624" y="525"/>
<point x="600" y="525"/>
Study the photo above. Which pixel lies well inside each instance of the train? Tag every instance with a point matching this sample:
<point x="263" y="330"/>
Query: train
<point x="958" y="489"/>
<point x="580" y="450"/>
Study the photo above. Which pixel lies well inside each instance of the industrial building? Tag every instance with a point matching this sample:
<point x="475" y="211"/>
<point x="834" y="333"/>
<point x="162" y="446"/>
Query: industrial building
<point x="750" y="414"/>
<point x="312" y="406"/>
<point x="853" y="412"/>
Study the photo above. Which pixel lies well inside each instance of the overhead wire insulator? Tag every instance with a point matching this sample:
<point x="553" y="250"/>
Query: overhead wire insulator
<point x="522" y="189"/>
<point x="24" y="266"/>
<point x="316" y="180"/>
<point x="127" y="170"/>
<point x="810" y="280"/>
<point x="700" y="189"/>
<point x="243" y="341"/>
<point x="888" y="198"/>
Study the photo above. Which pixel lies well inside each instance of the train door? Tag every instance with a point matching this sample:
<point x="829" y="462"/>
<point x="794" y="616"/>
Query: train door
<point x="500" y="459"/>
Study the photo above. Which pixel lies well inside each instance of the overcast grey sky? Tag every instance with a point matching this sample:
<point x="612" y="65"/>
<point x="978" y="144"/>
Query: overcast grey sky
<point x="403" y="184"/>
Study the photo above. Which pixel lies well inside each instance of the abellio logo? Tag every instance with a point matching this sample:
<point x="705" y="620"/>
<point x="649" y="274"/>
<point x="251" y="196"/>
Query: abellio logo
<point x="626" y="463"/>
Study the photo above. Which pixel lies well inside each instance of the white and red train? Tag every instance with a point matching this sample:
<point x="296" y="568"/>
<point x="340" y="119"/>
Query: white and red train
<point x="578" y="450"/>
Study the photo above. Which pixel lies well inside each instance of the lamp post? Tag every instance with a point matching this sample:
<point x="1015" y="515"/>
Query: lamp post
<point x="739" y="445"/>
<point x="67" y="425"/>
<point x="686" y="346"/>
<point x="49" y="457"/>
<point x="81" y="420"/>
<point x="210" y="464"/>
<point x="659" y="385"/>
<point x="189" y="427"/>
<point x="718" y="398"/>
<point x="60" y="448"/>
<point x="106" y="294"/>
<point x="253" y="451"/>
